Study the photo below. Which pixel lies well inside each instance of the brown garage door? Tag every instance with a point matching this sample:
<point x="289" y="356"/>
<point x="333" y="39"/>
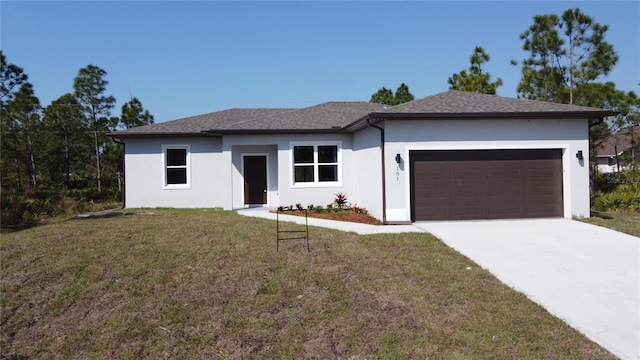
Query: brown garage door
<point x="486" y="184"/>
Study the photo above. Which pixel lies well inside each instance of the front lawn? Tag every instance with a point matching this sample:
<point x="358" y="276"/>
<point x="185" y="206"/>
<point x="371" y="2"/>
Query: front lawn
<point x="623" y="221"/>
<point x="209" y="284"/>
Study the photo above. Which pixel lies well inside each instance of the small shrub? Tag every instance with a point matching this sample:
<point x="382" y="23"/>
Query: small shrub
<point x="299" y="206"/>
<point x="341" y="200"/>
<point x="625" y="197"/>
<point x="310" y="207"/>
<point x="318" y="209"/>
<point x="359" y="210"/>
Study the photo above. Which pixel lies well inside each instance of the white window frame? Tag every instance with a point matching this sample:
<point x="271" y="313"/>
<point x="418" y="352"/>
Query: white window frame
<point x="166" y="147"/>
<point x="316" y="182"/>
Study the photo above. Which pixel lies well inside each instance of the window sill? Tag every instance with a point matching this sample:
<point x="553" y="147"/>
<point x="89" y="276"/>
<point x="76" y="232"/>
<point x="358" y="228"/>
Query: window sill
<point x="328" y="184"/>
<point x="176" y="187"/>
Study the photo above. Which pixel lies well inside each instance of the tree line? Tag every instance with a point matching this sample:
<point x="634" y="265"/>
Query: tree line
<point x="61" y="149"/>
<point x="568" y="59"/>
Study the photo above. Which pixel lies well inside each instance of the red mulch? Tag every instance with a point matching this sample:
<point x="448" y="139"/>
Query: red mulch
<point x="342" y="215"/>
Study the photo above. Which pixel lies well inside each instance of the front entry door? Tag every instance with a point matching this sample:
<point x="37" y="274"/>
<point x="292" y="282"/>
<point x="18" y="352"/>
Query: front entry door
<point x="255" y="180"/>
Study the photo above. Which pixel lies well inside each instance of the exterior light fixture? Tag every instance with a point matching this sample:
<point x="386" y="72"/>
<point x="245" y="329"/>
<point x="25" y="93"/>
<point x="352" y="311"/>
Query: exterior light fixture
<point x="579" y="155"/>
<point x="398" y="158"/>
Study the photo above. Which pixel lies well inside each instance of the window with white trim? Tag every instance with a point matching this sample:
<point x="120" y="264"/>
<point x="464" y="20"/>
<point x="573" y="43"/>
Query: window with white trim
<point x="176" y="166"/>
<point x="316" y="164"/>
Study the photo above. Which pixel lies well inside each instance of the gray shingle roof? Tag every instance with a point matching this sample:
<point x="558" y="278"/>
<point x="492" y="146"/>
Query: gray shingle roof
<point x="216" y="120"/>
<point x="326" y="116"/>
<point x="460" y="102"/>
<point x="351" y="116"/>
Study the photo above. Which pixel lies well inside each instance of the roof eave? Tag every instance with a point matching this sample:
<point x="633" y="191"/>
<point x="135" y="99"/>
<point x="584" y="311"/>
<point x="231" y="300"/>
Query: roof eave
<point x="125" y="135"/>
<point x="497" y="115"/>
<point x="220" y="132"/>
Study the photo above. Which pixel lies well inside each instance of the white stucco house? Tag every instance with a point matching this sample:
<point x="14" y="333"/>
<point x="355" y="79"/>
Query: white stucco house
<point x="453" y="155"/>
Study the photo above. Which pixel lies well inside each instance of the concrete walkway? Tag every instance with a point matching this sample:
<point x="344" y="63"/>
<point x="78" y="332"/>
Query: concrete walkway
<point x="362" y="229"/>
<point x="584" y="274"/>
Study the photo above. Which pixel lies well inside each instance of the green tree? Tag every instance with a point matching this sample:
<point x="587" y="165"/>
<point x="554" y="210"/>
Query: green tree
<point x="387" y="97"/>
<point x="475" y="80"/>
<point x="565" y="53"/>
<point x="403" y="94"/>
<point x="90" y="85"/>
<point x="21" y="121"/>
<point x="11" y="78"/>
<point x="133" y="114"/>
<point x="383" y="96"/>
<point x="67" y="140"/>
<point x="626" y="124"/>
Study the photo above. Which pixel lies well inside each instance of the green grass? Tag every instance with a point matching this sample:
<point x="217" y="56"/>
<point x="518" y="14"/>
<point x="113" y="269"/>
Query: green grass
<point x="623" y="221"/>
<point x="209" y="284"/>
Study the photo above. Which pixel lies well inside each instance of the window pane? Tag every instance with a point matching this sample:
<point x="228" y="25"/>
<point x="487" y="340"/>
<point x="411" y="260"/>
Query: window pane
<point x="303" y="155"/>
<point x="328" y="172"/>
<point x="176" y="157"/>
<point x="327" y="154"/>
<point x="176" y="176"/>
<point x="304" y="174"/>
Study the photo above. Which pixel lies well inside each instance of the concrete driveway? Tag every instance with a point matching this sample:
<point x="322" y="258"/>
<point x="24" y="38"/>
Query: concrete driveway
<point x="584" y="274"/>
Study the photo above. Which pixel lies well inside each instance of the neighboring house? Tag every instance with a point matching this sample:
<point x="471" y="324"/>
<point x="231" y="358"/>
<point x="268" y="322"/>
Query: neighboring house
<point x="614" y="148"/>
<point x="453" y="155"/>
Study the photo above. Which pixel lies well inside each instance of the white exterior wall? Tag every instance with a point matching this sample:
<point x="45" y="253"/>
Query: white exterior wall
<point x="216" y="174"/>
<point x="144" y="174"/>
<point x="281" y="191"/>
<point x="367" y="168"/>
<point x="403" y="136"/>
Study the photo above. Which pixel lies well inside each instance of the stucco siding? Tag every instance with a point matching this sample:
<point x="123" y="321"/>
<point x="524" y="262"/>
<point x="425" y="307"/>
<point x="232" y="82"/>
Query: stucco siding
<point x="568" y="135"/>
<point x="282" y="191"/>
<point x="144" y="174"/>
<point x="367" y="171"/>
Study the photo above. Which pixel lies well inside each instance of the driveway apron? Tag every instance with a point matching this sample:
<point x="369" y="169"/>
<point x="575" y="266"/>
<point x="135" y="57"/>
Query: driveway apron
<point x="584" y="274"/>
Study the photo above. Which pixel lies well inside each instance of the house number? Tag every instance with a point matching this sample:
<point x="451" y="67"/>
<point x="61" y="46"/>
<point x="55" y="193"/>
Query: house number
<point x="397" y="173"/>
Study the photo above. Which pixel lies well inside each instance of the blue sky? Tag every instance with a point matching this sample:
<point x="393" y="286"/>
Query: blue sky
<point x="189" y="58"/>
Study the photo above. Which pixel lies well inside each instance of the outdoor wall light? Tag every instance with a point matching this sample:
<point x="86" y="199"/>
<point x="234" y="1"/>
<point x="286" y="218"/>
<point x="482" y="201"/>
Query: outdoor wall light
<point x="579" y="155"/>
<point x="398" y="158"/>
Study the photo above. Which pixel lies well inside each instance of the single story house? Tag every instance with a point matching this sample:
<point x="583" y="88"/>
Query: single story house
<point x="453" y="155"/>
<point x="615" y="147"/>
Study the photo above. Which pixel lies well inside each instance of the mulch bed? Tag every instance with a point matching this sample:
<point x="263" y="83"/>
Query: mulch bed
<point x="341" y="215"/>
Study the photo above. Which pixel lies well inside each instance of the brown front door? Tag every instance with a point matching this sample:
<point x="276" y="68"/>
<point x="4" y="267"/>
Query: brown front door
<point x="486" y="184"/>
<point x="255" y="180"/>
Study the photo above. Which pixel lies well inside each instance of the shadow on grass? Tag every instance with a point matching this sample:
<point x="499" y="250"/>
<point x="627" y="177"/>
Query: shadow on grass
<point x="101" y="215"/>
<point x="600" y="215"/>
<point x="11" y="228"/>
<point x="105" y="214"/>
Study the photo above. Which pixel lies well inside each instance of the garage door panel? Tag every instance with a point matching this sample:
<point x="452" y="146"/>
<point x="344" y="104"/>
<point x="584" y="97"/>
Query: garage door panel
<point x="467" y="174"/>
<point x="434" y="212"/>
<point x="539" y="192"/>
<point x="466" y="212"/>
<point x="500" y="173"/>
<point x="431" y="172"/>
<point x="486" y="184"/>
<point x="540" y="173"/>
<point x="509" y="191"/>
<point x="504" y="210"/>
<point x="467" y="194"/>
